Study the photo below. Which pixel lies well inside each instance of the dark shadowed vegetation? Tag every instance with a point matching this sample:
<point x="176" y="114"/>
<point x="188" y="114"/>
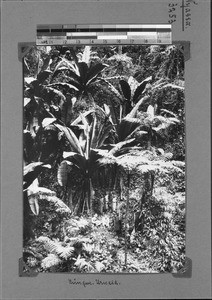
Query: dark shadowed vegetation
<point x="104" y="159"/>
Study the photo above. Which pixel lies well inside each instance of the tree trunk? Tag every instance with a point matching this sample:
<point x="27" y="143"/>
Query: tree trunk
<point x="70" y="200"/>
<point x="126" y="216"/>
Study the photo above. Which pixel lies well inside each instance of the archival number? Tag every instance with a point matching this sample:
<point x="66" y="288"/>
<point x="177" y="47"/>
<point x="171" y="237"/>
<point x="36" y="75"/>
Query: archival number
<point x="172" y="12"/>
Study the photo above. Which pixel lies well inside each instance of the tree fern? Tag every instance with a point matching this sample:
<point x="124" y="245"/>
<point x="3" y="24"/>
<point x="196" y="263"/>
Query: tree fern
<point x="56" y="247"/>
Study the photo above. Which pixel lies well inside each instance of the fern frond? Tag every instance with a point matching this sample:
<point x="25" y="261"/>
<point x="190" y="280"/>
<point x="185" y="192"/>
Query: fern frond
<point x="49" y="245"/>
<point x="99" y="266"/>
<point x="80" y="263"/>
<point x="64" y="252"/>
<point x="56" y="247"/>
<point x="50" y="261"/>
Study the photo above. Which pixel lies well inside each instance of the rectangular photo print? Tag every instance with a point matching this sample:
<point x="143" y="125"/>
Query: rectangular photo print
<point x="104" y="159"/>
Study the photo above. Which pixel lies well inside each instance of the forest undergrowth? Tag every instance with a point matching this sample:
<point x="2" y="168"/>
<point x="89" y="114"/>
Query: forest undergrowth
<point x="104" y="159"/>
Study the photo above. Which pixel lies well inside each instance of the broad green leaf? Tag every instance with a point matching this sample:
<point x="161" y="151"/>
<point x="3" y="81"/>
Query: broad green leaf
<point x="78" y="119"/>
<point x="151" y="112"/>
<point x="29" y="80"/>
<point x="47" y="121"/>
<point x="139" y="90"/>
<point x="57" y="92"/>
<point x="173" y="120"/>
<point x="42" y="76"/>
<point x="46" y="63"/>
<point x="30" y="167"/>
<point x="66" y="63"/>
<point x="83" y="71"/>
<point x="68" y="154"/>
<point x="169" y="112"/>
<point x="119" y="145"/>
<point x="125" y="89"/>
<point x="26" y="101"/>
<point x="93" y="138"/>
<point x="63" y="84"/>
<point x="26" y="67"/>
<point x="85" y="123"/>
<point x="126" y="127"/>
<point x="82" y="139"/>
<point x="58" y="69"/>
<point x="107" y="109"/>
<point x="95" y="70"/>
<point x="73" y="101"/>
<point x="71" y="137"/>
<point x="85" y="57"/>
<point x="113" y="89"/>
<point x="33" y="203"/>
<point x="133" y="83"/>
<point x="143" y="100"/>
<point x="103" y="136"/>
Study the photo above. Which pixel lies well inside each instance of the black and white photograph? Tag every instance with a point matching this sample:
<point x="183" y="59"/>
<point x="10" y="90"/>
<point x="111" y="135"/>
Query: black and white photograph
<point x="104" y="186"/>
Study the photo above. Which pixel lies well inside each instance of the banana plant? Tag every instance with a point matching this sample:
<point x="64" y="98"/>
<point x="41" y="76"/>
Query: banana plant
<point x="79" y="74"/>
<point x="129" y="125"/>
<point x="42" y="72"/>
<point x="129" y="93"/>
<point x="79" y="165"/>
<point x="157" y="126"/>
<point x="31" y="191"/>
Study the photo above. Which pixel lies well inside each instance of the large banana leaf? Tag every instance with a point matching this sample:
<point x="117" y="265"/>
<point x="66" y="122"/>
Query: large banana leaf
<point x="78" y="161"/>
<point x="66" y="63"/>
<point x="95" y="70"/>
<point x="33" y="194"/>
<point x="63" y="84"/>
<point x="83" y="70"/>
<point x="47" y="121"/>
<point x="71" y="137"/>
<point x="31" y="167"/>
<point x="138" y="92"/>
<point x="42" y="76"/>
<point x="26" y="101"/>
<point x="56" y="92"/>
<point x="125" y="88"/>
<point x="46" y="63"/>
<point x="126" y="127"/>
<point x="143" y="100"/>
<point x="71" y="75"/>
<point x="85" y="114"/>
<point x="31" y="172"/>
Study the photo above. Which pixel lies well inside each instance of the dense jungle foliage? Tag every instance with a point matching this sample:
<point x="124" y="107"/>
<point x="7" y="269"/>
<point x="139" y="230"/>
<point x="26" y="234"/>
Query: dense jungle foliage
<point x="104" y="159"/>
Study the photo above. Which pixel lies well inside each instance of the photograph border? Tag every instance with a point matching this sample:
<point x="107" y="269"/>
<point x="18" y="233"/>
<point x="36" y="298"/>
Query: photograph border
<point x="19" y="20"/>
